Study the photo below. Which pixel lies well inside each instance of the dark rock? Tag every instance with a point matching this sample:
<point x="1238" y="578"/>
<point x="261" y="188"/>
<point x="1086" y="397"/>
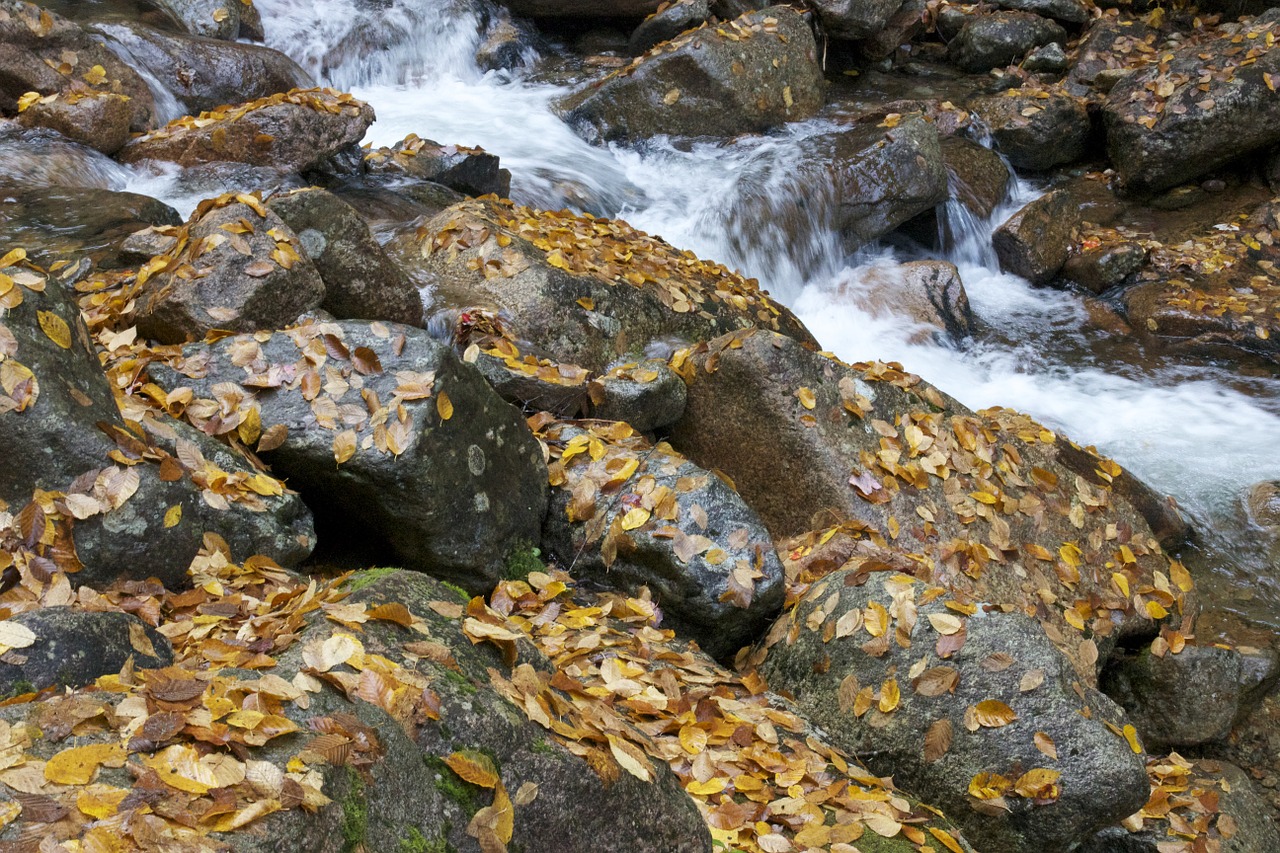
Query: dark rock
<point x="1163" y="128"/>
<point x="1033" y="131"/>
<point x="206" y="73"/>
<point x="61" y="222"/>
<point x="293" y="132"/>
<point x="755" y="398"/>
<point x="74" y="647"/>
<point x="599" y="291"/>
<point x="431" y="461"/>
<point x="1048" y="59"/>
<point x="208" y="281"/>
<point x="977" y="177"/>
<point x="1000" y="39"/>
<point x="761" y="73"/>
<point x="34" y="159"/>
<point x="909" y="21"/>
<point x="504" y="46"/>
<point x="34" y="46"/>
<point x="668" y="23"/>
<point x="1105" y="267"/>
<point x="1103" y="51"/>
<point x="143" y="245"/>
<point x="668" y="525"/>
<point x="855" y="19"/>
<point x="472" y="171"/>
<point x="1035" y="241"/>
<point x="929" y="293"/>
<point x="582" y="8"/>
<point x="878" y="178"/>
<point x="215" y="19"/>
<point x="1237" y="819"/>
<point x="60" y="421"/>
<point x="1064" y="11"/>
<point x="1271" y="171"/>
<point x="360" y="281"/>
<point x="1177" y="700"/>
<point x="100" y="121"/>
<point x="888" y="701"/>
<point x="647" y="395"/>
<point x="951" y="19"/>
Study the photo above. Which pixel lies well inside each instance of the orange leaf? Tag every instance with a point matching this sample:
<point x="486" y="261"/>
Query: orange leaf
<point x="474" y="767"/>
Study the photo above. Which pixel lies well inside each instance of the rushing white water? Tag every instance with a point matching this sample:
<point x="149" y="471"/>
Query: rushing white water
<point x="1185" y="429"/>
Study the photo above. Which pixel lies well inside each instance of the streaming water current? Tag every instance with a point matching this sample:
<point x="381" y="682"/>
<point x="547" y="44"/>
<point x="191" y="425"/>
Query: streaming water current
<point x="1197" y="431"/>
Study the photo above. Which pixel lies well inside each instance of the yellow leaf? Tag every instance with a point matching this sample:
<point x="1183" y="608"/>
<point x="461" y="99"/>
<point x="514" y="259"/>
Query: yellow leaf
<point x="1121" y="582"/>
<point x="25" y="102"/>
<point x="945" y="623"/>
<point x="221" y="14"/>
<point x="946" y="839"/>
<point x="96" y="76"/>
<point x="1180" y="576"/>
<point x="988" y="786"/>
<point x="101" y="801"/>
<point x="173" y="515"/>
<point x="635" y="517"/>
<point x="14" y="635"/>
<point x="9" y="812"/>
<point x="1155" y="610"/>
<point x="344" y="446"/>
<point x="890" y="696"/>
<point x="55" y="328"/>
<point x="588" y="303"/>
<point x="876" y="619"/>
<point x="993" y="713"/>
<point x="444" y="406"/>
<point x="712" y="786"/>
<point x="183" y="767"/>
<point x="76" y="766"/>
<point x="13" y="256"/>
<point x="983" y="497"/>
<point x="1045" y="744"/>
<point x="1131" y="735"/>
<point x="630" y="758"/>
<point x="806" y="398"/>
<point x="1039" y="783"/>
<point x="693" y="739"/>
<point x="474" y="767"/>
<point x="250" y="429"/>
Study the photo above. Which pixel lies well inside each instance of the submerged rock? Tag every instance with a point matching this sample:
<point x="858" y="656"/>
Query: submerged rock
<point x="626" y="513"/>
<point x="296" y="131"/>
<point x="755" y="72"/>
<point x="929" y="293"/>
<point x="1165" y="127"/>
<point x="967" y="705"/>
<point x="391" y="438"/>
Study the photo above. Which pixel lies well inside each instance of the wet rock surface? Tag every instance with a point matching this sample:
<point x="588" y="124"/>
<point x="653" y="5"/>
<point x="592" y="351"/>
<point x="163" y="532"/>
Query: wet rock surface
<point x="1035" y="241"/>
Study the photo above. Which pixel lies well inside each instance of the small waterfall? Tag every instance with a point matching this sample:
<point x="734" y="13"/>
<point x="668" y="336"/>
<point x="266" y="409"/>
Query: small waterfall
<point x="354" y="43"/>
<point x="34" y="159"/>
<point x="121" y="41"/>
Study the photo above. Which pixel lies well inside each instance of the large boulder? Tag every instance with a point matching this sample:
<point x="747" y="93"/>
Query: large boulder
<point x="1000" y="39"/>
<point x="966" y="705"/>
<point x="205" y="73"/>
<point x="626" y="513"/>
<point x="755" y="72"/>
<point x="1007" y="510"/>
<point x="1035" y="241"/>
<point x="73" y="647"/>
<point x="1213" y="102"/>
<point x="99" y="120"/>
<point x="392" y="439"/>
<point x="583" y="290"/>
<point x="295" y="131"/>
<point x="976" y="175"/>
<point x="855" y="19"/>
<point x="360" y="281"/>
<point x="44" y="53"/>
<point x="120" y="502"/>
<point x="1035" y="130"/>
<point x="237" y="267"/>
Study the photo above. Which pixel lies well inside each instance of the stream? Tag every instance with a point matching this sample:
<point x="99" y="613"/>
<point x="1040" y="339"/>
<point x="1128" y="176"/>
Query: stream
<point x="1195" y="430"/>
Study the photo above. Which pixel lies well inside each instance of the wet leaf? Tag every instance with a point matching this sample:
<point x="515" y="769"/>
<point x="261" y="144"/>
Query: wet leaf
<point x="55" y="328"/>
<point x="444" y="406"/>
<point x="173" y="515"/>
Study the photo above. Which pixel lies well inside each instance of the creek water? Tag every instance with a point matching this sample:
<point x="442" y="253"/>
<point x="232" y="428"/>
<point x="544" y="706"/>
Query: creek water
<point x="1194" y="430"/>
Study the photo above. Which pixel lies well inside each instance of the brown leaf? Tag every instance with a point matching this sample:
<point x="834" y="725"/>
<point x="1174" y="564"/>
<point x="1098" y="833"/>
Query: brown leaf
<point x="937" y="739"/>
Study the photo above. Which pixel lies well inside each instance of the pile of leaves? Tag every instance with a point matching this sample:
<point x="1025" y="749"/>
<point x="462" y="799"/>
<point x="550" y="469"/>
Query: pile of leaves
<point x="1184" y="809"/>
<point x="321" y="100"/>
